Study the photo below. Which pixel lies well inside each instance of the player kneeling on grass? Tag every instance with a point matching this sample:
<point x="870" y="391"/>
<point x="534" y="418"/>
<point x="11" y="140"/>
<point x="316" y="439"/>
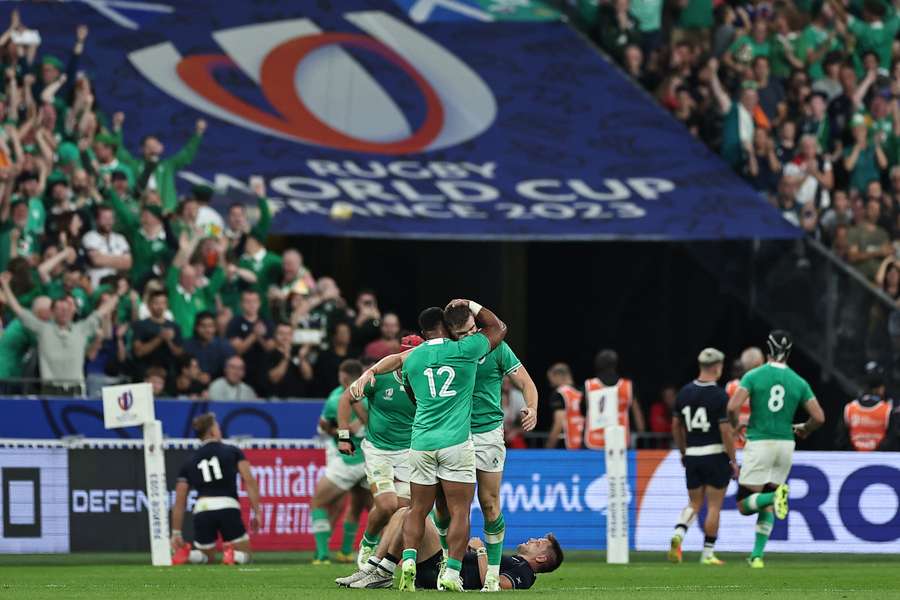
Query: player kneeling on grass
<point x="212" y="471"/>
<point x="703" y="435"/>
<point x="517" y="572"/>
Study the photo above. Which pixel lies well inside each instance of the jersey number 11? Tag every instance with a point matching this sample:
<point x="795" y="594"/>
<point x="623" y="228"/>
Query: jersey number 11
<point x="210" y="468"/>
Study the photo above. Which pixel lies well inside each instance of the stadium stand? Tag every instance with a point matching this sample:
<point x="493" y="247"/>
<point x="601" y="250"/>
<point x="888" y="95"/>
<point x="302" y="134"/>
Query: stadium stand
<point x="802" y="99"/>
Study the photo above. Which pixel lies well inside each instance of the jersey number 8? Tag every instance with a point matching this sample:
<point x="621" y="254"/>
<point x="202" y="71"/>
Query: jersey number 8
<point x="699" y="421"/>
<point x="776" y="398"/>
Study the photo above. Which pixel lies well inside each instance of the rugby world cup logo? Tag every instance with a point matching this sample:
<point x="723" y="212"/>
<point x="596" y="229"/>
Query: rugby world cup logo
<point x="126" y="400"/>
<point x="320" y="94"/>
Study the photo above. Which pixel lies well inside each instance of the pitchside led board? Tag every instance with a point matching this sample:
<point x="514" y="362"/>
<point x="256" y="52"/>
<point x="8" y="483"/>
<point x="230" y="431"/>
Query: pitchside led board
<point x="127" y="406"/>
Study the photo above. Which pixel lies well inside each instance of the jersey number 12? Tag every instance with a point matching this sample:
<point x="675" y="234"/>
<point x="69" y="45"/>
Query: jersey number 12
<point x="445" y="392"/>
<point x="699" y="421"/>
<point x="210" y="468"/>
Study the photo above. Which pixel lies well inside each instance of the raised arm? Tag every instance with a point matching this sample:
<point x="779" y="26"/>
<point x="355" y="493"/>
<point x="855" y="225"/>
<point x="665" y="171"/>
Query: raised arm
<point x="491" y="325"/>
<point x="389" y="363"/>
<point x="46" y="268"/>
<point x="721" y="96"/>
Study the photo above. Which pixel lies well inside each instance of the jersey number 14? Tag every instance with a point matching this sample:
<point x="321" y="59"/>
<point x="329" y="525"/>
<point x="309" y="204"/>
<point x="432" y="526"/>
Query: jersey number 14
<point x="698" y="422"/>
<point x="210" y="468"/>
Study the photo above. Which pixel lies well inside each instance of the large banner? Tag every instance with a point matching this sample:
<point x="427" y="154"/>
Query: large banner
<point x="414" y="118"/>
<point x="53" y="418"/>
<point x="559" y="492"/>
<point x="839" y="502"/>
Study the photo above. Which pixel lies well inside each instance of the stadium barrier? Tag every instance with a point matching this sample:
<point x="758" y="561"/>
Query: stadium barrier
<point x="54" y="418"/>
<point x="78" y="495"/>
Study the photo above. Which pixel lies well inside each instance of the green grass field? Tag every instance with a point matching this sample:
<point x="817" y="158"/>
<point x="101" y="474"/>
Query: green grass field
<point x="583" y="576"/>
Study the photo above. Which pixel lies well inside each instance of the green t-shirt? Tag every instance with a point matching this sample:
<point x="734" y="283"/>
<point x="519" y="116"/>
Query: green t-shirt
<point x="14" y="343"/>
<point x="184" y="306"/>
<point x="810" y="39"/>
<point x="391" y="413"/>
<point x="698" y="14"/>
<point x="775" y="393"/>
<point x="745" y="49"/>
<point x="441" y="373"/>
<point x="37" y="216"/>
<point x="877" y="37"/>
<point x="648" y="14"/>
<point x="329" y="413"/>
<point x="268" y="272"/>
<point x="487" y="412"/>
<point x="865" y="169"/>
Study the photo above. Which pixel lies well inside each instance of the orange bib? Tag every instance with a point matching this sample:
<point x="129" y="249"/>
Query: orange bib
<point x="622" y="392"/>
<point x="867" y="426"/>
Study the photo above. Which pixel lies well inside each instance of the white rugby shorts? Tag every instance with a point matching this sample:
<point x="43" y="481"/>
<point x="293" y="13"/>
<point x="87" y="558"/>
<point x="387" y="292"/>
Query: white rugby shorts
<point x="766" y="461"/>
<point x="490" y="450"/>
<point x="456" y="463"/>
<point x="387" y="471"/>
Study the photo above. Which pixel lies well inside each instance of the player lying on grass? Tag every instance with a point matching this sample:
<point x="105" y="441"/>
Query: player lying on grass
<point x="213" y="471"/>
<point x="518" y="571"/>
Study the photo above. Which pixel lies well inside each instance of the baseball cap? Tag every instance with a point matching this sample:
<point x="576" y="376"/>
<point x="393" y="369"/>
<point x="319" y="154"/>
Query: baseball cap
<point x="710" y="356"/>
<point x="410" y="341"/>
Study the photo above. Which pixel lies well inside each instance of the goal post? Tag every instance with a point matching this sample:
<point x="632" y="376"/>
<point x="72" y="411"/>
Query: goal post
<point x="617" y="495"/>
<point x="132" y="405"/>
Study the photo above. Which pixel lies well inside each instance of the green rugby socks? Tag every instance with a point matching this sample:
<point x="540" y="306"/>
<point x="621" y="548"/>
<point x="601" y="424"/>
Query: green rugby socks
<point x="493" y="541"/>
<point x="764" y="523"/>
<point x="321" y="529"/>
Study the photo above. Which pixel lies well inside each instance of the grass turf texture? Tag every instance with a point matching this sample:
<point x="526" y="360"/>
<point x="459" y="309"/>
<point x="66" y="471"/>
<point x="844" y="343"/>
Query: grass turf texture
<point x="584" y="575"/>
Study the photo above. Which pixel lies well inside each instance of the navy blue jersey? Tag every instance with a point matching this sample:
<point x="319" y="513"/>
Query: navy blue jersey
<point x="702" y="406"/>
<point x="213" y="470"/>
<point x="515" y="568"/>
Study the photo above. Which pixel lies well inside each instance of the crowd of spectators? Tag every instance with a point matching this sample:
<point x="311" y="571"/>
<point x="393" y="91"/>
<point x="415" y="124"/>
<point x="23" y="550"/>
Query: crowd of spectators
<point x="108" y="275"/>
<point x="801" y="98"/>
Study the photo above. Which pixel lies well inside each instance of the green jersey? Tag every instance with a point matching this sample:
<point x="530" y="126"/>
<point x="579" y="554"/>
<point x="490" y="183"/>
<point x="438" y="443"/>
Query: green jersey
<point x="391" y="413"/>
<point x="487" y="413"/>
<point x="15" y="340"/>
<point x="329" y="413"/>
<point x="775" y="393"/>
<point x="441" y="373"/>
